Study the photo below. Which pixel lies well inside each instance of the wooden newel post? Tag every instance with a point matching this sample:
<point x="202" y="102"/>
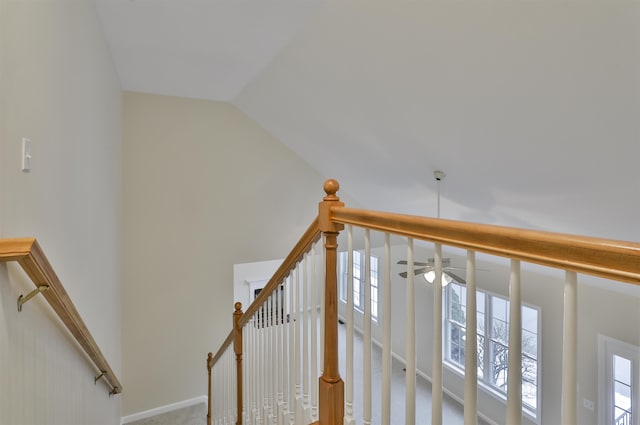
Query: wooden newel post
<point x="331" y="386"/>
<point x="209" y="366"/>
<point x="237" y="347"/>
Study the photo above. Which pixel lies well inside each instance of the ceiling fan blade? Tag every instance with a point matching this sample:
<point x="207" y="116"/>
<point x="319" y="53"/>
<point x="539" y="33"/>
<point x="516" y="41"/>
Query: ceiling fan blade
<point x="415" y="272"/>
<point x="415" y="263"/>
<point x="456" y="277"/>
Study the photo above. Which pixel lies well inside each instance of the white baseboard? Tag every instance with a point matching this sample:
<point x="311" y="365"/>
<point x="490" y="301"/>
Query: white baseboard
<point x="425" y="376"/>
<point x="163" y="409"/>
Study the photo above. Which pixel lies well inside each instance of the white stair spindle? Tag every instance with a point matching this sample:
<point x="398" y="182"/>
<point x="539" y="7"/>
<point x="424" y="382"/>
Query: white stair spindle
<point x="280" y="356"/>
<point x="247" y="371"/>
<point x="292" y="354"/>
<point x="321" y="292"/>
<point x="348" y="394"/>
<point x="436" y="380"/>
<point x="570" y="350"/>
<point x="305" y="340"/>
<point x="298" y="347"/>
<point x="410" y="377"/>
<point x="284" y="420"/>
<point x="514" y="374"/>
<point x="386" y="335"/>
<point x="274" y="358"/>
<point x="314" y="337"/>
<point x="268" y="371"/>
<point x="264" y="375"/>
<point x="471" y="346"/>
<point x="255" y="385"/>
<point x="366" y="340"/>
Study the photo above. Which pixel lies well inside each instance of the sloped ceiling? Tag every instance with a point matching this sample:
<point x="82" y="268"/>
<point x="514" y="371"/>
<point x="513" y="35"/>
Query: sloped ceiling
<point x="531" y="108"/>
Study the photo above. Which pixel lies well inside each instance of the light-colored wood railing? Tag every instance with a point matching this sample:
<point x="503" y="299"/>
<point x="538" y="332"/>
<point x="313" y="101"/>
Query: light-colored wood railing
<point x="610" y="259"/>
<point x="29" y="255"/>
<point x="311" y="236"/>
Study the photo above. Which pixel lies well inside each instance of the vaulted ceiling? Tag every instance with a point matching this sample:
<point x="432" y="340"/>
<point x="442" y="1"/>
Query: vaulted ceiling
<point x="531" y="108"/>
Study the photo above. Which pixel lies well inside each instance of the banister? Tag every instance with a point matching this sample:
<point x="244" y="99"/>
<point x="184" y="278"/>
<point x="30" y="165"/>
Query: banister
<point x="607" y="258"/>
<point x="227" y="342"/>
<point x="310" y="236"/>
<point x="28" y="253"/>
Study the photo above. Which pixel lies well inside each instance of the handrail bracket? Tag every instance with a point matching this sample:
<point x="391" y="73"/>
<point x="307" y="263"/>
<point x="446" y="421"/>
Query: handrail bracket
<point x="22" y="299"/>
<point x="99" y="377"/>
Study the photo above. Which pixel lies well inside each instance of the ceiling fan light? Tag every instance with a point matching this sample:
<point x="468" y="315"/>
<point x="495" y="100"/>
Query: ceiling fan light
<point x="430" y="277"/>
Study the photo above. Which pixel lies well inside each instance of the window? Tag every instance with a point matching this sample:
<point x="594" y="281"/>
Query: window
<point x="359" y="280"/>
<point x="493" y="341"/>
<point x="618" y="381"/>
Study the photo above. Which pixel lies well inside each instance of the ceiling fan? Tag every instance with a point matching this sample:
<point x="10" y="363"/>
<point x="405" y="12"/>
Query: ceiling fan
<point x="428" y="271"/>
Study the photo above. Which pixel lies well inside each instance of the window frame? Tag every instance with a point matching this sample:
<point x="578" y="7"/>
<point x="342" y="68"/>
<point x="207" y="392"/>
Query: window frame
<point x="358" y="302"/>
<point x="484" y="380"/>
<point x="608" y="348"/>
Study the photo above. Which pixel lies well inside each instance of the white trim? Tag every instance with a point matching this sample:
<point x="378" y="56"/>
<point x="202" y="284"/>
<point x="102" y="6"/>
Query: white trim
<point x="607" y="347"/>
<point x="163" y="409"/>
<point x="448" y="392"/>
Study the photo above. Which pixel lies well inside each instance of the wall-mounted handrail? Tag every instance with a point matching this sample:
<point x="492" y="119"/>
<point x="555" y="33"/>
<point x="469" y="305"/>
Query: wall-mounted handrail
<point x="607" y="258"/>
<point x="28" y="253"/>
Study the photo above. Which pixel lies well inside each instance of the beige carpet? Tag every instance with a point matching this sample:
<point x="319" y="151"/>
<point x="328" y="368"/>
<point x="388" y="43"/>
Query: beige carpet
<point x="192" y="415"/>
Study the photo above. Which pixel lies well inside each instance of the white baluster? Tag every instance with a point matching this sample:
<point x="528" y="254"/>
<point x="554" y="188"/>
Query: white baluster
<point x="321" y="292"/>
<point x="279" y="366"/>
<point x="471" y="346"/>
<point x="284" y="419"/>
<point x="366" y="340"/>
<point x="233" y="411"/>
<point x="514" y="375"/>
<point x="436" y="379"/>
<point x="227" y="384"/>
<point x="273" y="362"/>
<point x="246" y="364"/>
<point x="410" y="330"/>
<point x="292" y="351"/>
<point x="264" y="365"/>
<point x="256" y="370"/>
<point x="570" y="350"/>
<point x="386" y="335"/>
<point x="314" y="337"/>
<point x="305" y="341"/>
<point x="348" y="417"/>
<point x="298" y="346"/>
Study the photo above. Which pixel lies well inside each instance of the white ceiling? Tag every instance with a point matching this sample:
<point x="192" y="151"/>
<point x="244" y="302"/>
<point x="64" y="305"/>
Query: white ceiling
<point x="531" y="108"/>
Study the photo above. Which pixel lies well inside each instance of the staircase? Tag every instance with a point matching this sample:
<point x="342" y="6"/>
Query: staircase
<point x="279" y="363"/>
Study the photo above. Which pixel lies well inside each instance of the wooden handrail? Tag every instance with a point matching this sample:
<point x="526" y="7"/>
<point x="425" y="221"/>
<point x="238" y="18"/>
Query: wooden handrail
<point x="310" y="236"/>
<point x="227" y="342"/>
<point x="28" y="253"/>
<point x="607" y="258"/>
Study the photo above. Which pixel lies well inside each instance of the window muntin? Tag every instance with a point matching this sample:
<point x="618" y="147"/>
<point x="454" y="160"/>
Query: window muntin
<point x="622" y="372"/>
<point x="492" y="315"/>
<point x="359" y="275"/>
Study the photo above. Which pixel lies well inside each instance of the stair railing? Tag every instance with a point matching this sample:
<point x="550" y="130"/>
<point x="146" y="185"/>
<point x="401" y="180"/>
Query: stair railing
<point x="277" y="338"/>
<point x="30" y="256"/>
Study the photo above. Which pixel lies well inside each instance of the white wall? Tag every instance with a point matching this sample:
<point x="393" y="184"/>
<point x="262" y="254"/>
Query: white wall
<point x="59" y="88"/>
<point x="205" y="188"/>
<point x="600" y="311"/>
<point x="246" y="273"/>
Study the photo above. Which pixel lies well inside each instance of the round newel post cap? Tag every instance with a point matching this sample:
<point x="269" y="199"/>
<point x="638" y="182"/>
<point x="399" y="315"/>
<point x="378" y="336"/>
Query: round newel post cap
<point x="331" y="186"/>
<point x="238" y="306"/>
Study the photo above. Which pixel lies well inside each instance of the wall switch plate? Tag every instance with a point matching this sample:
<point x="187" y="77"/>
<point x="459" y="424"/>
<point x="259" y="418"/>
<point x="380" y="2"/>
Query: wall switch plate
<point x="26" y="155"/>
<point x="588" y="404"/>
